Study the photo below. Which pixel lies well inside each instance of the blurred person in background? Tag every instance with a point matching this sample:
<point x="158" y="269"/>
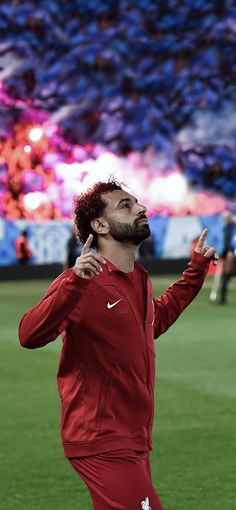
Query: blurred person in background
<point x="228" y="254"/>
<point x="146" y="250"/>
<point x="23" y="251"/>
<point x="74" y="249"/>
<point x="104" y="309"/>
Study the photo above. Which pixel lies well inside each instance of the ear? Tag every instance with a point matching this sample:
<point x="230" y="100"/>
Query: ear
<point x="100" y="226"/>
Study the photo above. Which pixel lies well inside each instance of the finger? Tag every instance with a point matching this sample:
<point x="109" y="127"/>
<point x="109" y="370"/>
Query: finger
<point x="95" y="256"/>
<point x="216" y="259"/>
<point x="86" y="275"/>
<point x="204" y="249"/>
<point x="201" y="240"/>
<point x="85" y="272"/>
<point x="91" y="268"/>
<point x="99" y="257"/>
<point x="87" y="244"/>
<point x="211" y="253"/>
<point x="83" y="265"/>
<point x="92" y="261"/>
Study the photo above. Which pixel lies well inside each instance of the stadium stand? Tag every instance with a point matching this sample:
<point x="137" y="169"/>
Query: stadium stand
<point x="125" y="75"/>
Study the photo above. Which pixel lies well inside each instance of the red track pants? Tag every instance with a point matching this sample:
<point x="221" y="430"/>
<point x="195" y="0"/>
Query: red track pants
<point x="118" y="480"/>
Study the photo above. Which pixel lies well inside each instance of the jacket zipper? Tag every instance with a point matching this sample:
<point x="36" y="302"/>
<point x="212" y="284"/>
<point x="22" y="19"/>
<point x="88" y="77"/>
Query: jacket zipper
<point x="144" y="323"/>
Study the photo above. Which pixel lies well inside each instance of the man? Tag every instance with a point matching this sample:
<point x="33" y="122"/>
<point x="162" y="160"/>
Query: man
<point x="23" y="251"/>
<point x="228" y="255"/>
<point x="106" y="314"/>
<point x="73" y="250"/>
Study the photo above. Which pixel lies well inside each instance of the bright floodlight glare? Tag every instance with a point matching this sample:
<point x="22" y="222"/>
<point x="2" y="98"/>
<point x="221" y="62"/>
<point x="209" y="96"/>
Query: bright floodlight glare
<point x="170" y="189"/>
<point x="27" y="148"/>
<point x="176" y="187"/>
<point x="35" y="134"/>
<point x="35" y="199"/>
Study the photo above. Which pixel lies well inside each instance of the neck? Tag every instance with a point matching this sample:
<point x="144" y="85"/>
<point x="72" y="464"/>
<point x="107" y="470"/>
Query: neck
<point x="120" y="254"/>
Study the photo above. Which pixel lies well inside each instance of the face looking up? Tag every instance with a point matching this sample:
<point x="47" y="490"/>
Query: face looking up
<point x="125" y="217"/>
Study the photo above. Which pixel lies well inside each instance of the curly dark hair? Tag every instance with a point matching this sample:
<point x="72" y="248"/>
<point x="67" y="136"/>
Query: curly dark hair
<point x="90" y="205"/>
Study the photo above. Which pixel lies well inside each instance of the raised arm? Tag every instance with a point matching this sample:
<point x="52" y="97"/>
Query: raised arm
<point x="43" y="323"/>
<point x="179" y="295"/>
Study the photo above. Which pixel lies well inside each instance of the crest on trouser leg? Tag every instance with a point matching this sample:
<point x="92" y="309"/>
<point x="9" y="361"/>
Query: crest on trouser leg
<point x="145" y="504"/>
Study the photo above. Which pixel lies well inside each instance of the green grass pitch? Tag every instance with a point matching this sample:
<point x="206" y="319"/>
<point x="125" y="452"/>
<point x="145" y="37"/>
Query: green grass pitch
<point x="194" y="456"/>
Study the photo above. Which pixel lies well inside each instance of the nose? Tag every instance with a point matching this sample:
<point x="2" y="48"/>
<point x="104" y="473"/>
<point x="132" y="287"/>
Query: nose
<point x="142" y="209"/>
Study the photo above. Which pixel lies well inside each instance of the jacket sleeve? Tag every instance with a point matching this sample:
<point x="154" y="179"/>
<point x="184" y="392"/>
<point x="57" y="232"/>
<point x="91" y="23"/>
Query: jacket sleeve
<point x="179" y="295"/>
<point x="43" y="323"/>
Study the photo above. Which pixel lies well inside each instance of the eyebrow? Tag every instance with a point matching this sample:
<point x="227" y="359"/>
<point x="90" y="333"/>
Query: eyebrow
<point x="126" y="200"/>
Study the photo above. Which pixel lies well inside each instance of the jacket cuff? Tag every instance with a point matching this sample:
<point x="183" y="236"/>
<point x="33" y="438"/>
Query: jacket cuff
<point x="82" y="283"/>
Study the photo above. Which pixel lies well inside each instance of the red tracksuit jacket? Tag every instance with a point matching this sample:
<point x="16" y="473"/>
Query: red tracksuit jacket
<point x="107" y="364"/>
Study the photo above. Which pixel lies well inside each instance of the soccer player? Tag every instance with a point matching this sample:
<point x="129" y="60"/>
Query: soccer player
<point x="104" y="310"/>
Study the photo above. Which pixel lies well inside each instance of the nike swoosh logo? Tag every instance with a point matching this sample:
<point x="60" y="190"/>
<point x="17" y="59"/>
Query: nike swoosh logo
<point x="113" y="304"/>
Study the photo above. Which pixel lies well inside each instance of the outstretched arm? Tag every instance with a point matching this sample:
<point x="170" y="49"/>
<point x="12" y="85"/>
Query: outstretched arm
<point x="179" y="295"/>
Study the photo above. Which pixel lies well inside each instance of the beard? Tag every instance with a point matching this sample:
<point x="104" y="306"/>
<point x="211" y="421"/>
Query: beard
<point x="127" y="233"/>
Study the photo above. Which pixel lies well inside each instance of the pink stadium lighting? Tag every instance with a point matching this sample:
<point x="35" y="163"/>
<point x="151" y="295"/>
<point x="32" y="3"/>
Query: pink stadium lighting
<point x="27" y="149"/>
<point x="36" y="134"/>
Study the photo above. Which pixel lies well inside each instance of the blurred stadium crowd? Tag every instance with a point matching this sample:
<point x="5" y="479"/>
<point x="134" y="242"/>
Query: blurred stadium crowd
<point x="126" y="75"/>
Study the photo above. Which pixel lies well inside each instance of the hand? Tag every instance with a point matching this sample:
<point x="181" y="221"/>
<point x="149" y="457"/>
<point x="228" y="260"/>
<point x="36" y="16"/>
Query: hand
<point x="88" y="264"/>
<point x="207" y="251"/>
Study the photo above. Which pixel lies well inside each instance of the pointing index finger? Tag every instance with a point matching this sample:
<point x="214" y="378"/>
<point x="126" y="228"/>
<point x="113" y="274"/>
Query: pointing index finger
<point x="87" y="244"/>
<point x="202" y="238"/>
